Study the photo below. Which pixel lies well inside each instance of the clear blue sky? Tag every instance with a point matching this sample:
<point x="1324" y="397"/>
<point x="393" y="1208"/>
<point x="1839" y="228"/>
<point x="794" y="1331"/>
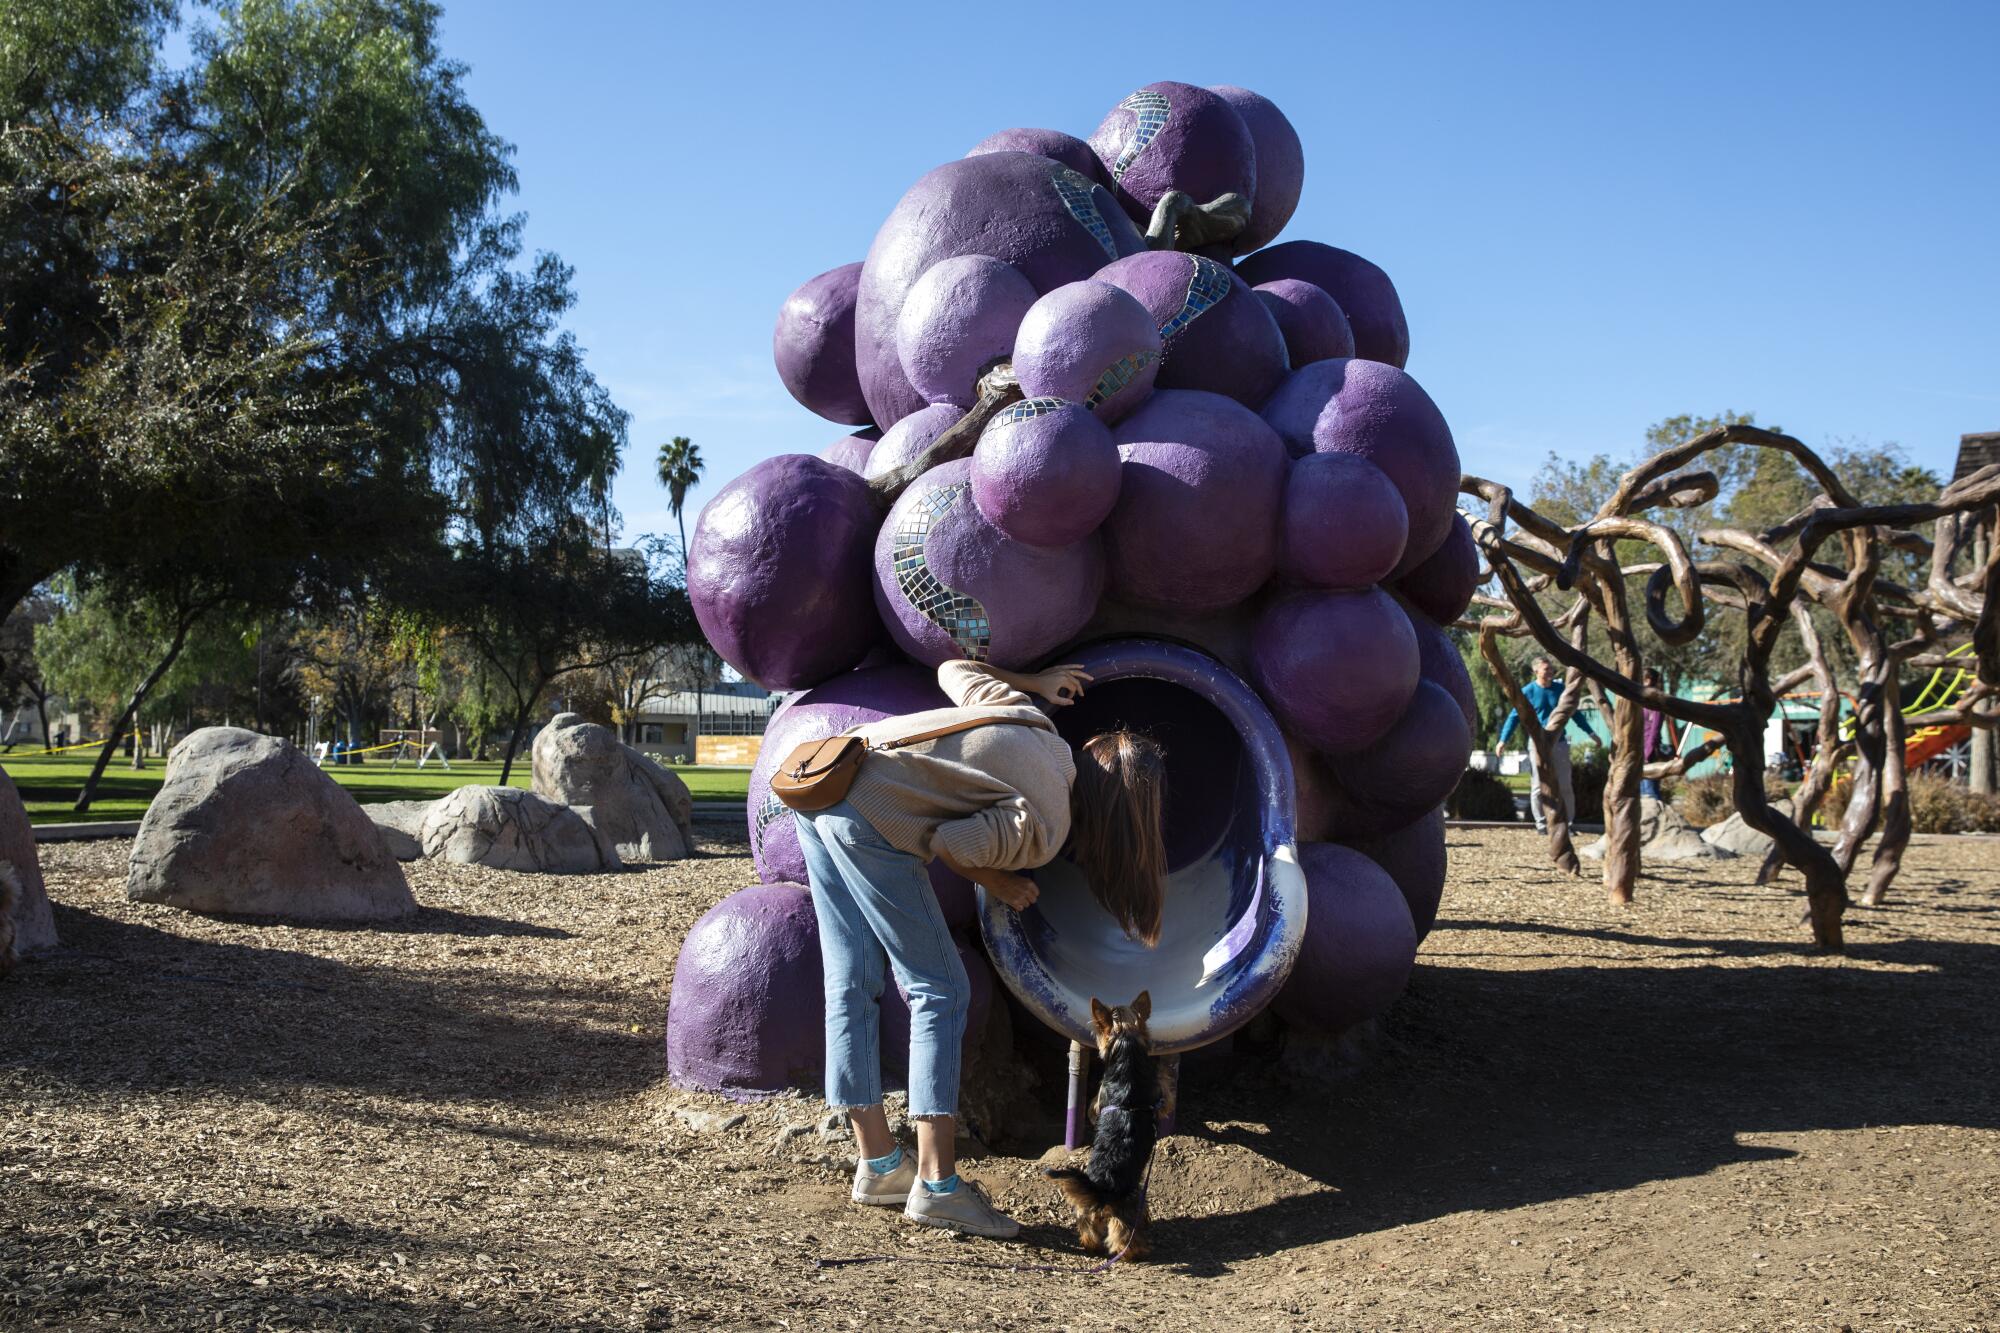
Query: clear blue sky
<point x="1598" y="215"/>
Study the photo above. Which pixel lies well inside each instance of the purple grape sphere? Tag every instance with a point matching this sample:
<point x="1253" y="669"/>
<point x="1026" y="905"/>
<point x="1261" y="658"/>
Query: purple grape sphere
<point x="1313" y="325"/>
<point x="1344" y="523"/>
<point x="1418" y="762"/>
<point x="813" y="345"/>
<point x="1442" y="586"/>
<point x="778" y="571"/>
<point x="1337" y="668"/>
<point x="906" y="441"/>
<point x="851" y="451"/>
<point x="1175" y="136"/>
<point x="1196" y="524"/>
<point x="1045" y="472"/>
<point x="1415" y="859"/>
<point x="958" y="320"/>
<point x="1363" y="291"/>
<point x="1281" y="166"/>
<point x="1067" y="149"/>
<point x="1376" y="412"/>
<point x="851" y="699"/>
<point x="746" y="1014"/>
<point x="950" y="584"/>
<point x="1215" y="334"/>
<point x="1051" y="222"/>
<point x="1440" y="662"/>
<point x="1090" y="343"/>
<point x="1359" y="947"/>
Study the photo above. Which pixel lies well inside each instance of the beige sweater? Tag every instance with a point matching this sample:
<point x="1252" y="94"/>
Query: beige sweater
<point x="994" y="796"/>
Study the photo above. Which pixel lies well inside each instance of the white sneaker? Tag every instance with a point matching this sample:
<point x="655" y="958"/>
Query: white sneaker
<point x="965" y="1209"/>
<point x="889" y="1189"/>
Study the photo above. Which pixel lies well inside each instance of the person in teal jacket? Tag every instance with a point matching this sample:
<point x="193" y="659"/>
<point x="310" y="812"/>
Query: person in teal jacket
<point x="1544" y="693"/>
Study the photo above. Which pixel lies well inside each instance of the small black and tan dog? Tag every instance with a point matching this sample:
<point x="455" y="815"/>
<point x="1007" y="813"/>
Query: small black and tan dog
<point x="1109" y="1192"/>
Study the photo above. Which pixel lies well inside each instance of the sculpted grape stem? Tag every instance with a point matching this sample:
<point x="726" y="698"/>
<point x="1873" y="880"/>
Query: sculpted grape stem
<point x="998" y="388"/>
<point x="1179" y="223"/>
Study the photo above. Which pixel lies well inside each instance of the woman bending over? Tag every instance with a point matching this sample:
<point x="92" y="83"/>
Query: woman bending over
<point x="991" y="802"/>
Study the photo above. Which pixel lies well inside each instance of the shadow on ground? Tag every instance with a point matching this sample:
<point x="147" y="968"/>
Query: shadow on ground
<point x="1500" y="1089"/>
<point x="169" y="1011"/>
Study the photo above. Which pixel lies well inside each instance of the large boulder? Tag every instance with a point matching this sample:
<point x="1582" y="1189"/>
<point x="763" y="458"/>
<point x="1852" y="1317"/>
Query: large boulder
<point x="31" y="927"/>
<point x="646" y="812"/>
<point x="506" y="828"/>
<point x="401" y="822"/>
<point x="1665" y="836"/>
<point x="246" y="823"/>
<point x="1736" y="837"/>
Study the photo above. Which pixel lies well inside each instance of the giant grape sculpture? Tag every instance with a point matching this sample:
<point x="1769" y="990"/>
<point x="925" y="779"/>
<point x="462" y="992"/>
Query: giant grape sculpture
<point x="1098" y="414"/>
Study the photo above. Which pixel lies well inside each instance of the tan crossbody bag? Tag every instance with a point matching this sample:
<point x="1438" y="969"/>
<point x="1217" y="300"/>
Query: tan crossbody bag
<point x="817" y="774"/>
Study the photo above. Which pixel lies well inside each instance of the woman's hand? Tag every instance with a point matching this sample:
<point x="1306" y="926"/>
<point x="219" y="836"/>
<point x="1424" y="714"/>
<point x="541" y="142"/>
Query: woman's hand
<point x="1061" y="686"/>
<point x="1017" y="891"/>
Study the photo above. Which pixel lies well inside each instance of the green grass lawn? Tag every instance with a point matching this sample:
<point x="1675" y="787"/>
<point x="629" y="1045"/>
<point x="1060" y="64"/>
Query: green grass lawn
<point x="49" y="784"/>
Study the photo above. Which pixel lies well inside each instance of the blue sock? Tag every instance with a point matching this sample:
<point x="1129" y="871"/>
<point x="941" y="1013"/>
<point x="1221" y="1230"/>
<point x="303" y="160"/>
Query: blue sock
<point x="945" y="1186"/>
<point x="886" y="1163"/>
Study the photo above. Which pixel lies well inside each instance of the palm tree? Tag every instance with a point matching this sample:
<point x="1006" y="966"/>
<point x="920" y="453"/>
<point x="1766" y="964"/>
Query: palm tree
<point x="680" y="468"/>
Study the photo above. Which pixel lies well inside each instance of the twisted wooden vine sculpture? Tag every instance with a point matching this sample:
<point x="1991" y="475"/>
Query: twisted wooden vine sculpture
<point x="1773" y="578"/>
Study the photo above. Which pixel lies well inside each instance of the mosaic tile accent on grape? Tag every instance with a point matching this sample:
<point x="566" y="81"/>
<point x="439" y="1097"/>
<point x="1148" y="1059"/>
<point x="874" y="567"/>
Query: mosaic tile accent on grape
<point x="1208" y="284"/>
<point x="1074" y="189"/>
<point x="772" y="810"/>
<point x="1028" y="408"/>
<point x="1149" y="116"/>
<point x="962" y="617"/>
<point x="1122" y="373"/>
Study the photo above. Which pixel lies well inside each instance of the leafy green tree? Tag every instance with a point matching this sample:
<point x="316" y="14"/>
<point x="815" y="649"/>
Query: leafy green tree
<point x="68" y="58"/>
<point x="114" y="645"/>
<point x="537" y="613"/>
<point x="267" y="339"/>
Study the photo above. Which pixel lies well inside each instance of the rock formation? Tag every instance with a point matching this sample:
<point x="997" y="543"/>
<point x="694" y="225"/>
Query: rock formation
<point x="247" y="823"/>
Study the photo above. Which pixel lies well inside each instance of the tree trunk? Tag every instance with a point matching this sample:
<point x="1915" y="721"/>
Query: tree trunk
<point x="1864" y="804"/>
<point x="1628" y="741"/>
<point x="1621" y="799"/>
<point x="1895" y="800"/>
<point x="42" y="712"/>
<point x="1827" y="747"/>
<point x="1980" y="774"/>
<point x="1561" y="849"/>
<point x="514" y="739"/>
<point x="132" y="705"/>
<point x="1826" y="881"/>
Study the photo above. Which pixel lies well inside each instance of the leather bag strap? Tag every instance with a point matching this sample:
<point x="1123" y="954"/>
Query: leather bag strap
<point x="966" y="724"/>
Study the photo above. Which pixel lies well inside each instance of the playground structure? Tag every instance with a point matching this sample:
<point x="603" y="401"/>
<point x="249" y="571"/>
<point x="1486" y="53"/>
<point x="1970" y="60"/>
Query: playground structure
<point x="1778" y="579"/>
<point x="1084" y="436"/>
<point x="416" y="748"/>
<point x="1789" y="741"/>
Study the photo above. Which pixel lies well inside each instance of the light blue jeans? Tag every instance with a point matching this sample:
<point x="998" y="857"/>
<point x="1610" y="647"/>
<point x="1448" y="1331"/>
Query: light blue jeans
<point x="876" y="907"/>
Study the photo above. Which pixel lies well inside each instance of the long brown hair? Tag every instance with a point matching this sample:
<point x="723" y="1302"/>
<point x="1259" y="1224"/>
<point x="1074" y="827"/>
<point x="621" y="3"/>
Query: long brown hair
<point x="1117" y="835"/>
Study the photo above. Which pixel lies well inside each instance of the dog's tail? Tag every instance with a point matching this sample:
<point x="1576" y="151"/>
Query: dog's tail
<point x="1076" y="1186"/>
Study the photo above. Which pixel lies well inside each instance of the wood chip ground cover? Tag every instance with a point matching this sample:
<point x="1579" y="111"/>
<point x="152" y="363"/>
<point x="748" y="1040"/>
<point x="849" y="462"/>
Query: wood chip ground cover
<point x="1663" y="1116"/>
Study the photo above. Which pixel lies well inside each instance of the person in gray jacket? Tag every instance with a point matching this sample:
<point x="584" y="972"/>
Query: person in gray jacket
<point x="991" y="802"/>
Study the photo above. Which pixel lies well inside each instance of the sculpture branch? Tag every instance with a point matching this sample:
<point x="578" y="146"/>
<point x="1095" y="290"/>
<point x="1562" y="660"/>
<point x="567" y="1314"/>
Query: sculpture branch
<point x="998" y="388"/>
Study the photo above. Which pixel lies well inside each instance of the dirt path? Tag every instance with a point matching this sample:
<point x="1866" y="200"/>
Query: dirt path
<point x="1665" y="1116"/>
